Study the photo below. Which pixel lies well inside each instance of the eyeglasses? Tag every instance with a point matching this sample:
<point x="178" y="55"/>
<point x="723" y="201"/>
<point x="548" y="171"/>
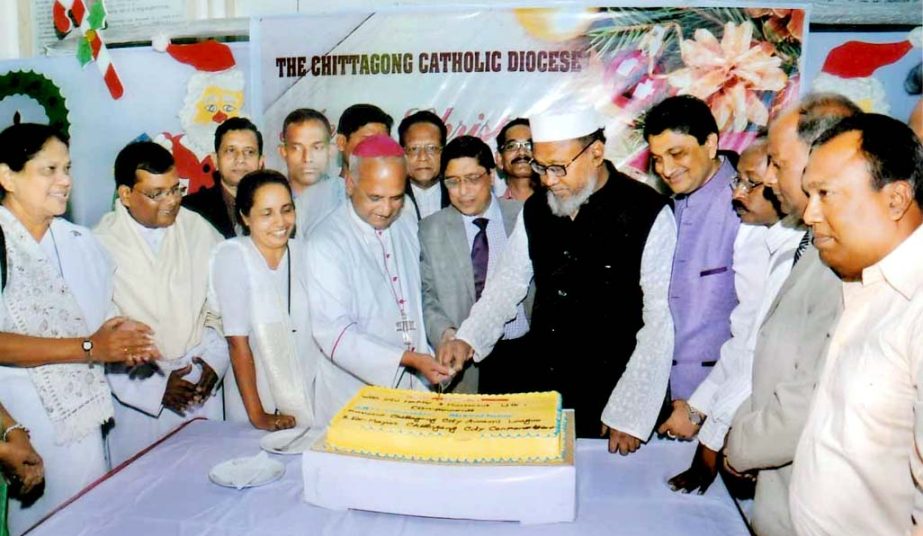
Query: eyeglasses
<point x="744" y="184"/>
<point x="511" y="146"/>
<point x="160" y="195"/>
<point x="557" y="169"/>
<point x="247" y="153"/>
<point x="417" y="150"/>
<point x="469" y="180"/>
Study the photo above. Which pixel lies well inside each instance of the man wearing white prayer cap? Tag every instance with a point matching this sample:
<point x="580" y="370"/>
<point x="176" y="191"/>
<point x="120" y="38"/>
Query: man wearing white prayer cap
<point x="599" y="246"/>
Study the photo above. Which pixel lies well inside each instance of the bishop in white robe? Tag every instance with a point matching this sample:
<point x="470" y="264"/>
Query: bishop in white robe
<point x="364" y="286"/>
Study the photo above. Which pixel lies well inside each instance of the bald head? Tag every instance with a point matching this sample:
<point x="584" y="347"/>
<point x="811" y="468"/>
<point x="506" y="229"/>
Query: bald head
<point x="789" y="142"/>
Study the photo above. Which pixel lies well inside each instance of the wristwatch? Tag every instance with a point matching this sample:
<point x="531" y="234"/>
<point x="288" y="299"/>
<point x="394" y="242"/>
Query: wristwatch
<point x="696" y="417"/>
<point x="87" y="346"/>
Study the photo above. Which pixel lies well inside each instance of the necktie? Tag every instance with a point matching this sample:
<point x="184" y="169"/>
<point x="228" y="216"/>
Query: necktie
<point x="480" y="252"/>
<point x="803" y="245"/>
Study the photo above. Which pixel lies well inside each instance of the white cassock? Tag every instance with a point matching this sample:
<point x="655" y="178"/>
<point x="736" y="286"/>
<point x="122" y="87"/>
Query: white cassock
<point x="161" y="279"/>
<point x="359" y="281"/>
<point x="317" y="202"/>
<point x="87" y="270"/>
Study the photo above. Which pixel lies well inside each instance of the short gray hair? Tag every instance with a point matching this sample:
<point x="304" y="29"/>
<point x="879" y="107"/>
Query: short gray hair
<point x="818" y="112"/>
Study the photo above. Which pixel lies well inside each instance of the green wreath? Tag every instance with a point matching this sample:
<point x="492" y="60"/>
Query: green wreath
<point x="43" y="90"/>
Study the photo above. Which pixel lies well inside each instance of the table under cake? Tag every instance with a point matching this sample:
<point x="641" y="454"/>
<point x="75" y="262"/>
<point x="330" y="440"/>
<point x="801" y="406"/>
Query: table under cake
<point x="166" y="491"/>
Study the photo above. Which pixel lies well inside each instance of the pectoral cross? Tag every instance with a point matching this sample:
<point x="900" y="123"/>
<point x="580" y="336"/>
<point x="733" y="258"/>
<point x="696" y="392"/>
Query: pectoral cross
<point x="405" y="326"/>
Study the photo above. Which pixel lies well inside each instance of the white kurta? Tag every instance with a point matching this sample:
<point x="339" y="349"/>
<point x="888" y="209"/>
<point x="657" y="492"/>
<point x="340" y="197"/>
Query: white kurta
<point x="251" y="298"/>
<point x="140" y="418"/>
<point x="357" y="278"/>
<point x="429" y="200"/>
<point x="87" y="270"/>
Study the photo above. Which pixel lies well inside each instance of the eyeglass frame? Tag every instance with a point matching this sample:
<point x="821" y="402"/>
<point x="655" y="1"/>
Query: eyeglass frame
<point x="746" y="184"/>
<point x="430" y="149"/>
<point x="179" y="190"/>
<point x="543" y="170"/>
<point x="516" y="145"/>
<point x="469" y="180"/>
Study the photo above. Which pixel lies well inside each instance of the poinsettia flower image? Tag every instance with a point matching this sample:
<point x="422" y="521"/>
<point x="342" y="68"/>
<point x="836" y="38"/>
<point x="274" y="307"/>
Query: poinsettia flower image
<point x="780" y="24"/>
<point x="729" y="74"/>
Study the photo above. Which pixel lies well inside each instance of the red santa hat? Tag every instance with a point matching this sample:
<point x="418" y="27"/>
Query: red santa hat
<point x="857" y="59"/>
<point x="378" y="146"/>
<point x="209" y="55"/>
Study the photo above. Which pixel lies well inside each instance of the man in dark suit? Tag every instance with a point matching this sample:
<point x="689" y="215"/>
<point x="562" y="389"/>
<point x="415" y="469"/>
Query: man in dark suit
<point x="458" y="247"/>
<point x="423" y="136"/>
<point x="238" y="151"/>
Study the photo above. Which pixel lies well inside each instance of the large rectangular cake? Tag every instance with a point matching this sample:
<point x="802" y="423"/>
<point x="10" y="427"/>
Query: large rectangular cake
<point x="454" y="428"/>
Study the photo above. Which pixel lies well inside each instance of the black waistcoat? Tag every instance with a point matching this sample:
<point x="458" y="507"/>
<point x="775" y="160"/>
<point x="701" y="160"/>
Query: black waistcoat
<point x="588" y="298"/>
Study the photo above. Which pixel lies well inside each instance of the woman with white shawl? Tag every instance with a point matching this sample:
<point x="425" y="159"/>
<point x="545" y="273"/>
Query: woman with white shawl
<point x="257" y="283"/>
<point x="55" y="299"/>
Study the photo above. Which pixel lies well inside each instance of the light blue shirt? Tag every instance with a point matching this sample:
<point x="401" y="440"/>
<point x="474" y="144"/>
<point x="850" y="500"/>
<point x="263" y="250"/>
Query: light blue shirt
<point x="496" y="242"/>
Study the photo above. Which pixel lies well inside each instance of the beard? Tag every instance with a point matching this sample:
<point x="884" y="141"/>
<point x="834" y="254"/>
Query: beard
<point x="569" y="206"/>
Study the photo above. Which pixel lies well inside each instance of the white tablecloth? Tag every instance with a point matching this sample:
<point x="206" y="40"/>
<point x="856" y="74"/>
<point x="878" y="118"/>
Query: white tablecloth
<point x="167" y="492"/>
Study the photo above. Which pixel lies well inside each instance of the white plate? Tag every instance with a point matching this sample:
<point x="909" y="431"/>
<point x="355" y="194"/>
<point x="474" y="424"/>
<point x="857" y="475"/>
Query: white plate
<point x="275" y="441"/>
<point x="268" y="470"/>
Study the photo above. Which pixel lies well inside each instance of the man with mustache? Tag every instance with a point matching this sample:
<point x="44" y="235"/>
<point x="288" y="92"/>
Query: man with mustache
<point x="514" y="157"/>
<point x="599" y="246"/>
<point x="160" y="251"/>
<point x="423" y="135"/>
<point x="752" y="200"/>
<point x="238" y="151"/>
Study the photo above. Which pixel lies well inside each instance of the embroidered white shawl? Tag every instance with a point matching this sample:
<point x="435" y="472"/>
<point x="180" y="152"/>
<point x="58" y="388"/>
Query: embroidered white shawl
<point x="40" y="304"/>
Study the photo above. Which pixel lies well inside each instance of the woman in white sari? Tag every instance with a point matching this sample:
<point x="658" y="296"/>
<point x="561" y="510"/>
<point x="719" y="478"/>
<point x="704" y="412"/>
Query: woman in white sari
<point x="257" y="282"/>
<point x="55" y="299"/>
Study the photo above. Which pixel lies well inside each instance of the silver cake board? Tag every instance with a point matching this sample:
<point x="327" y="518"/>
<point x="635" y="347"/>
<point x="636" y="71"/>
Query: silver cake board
<point x="528" y="493"/>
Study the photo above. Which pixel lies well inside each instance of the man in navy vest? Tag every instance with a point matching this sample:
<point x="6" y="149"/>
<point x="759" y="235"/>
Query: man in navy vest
<point x="599" y="246"/>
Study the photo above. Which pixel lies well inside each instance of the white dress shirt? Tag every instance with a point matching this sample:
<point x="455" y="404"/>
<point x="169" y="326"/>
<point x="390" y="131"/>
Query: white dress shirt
<point x="496" y="242"/>
<point x="762" y="261"/>
<point x="859" y="454"/>
<point x="429" y="200"/>
<point x="638" y="396"/>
